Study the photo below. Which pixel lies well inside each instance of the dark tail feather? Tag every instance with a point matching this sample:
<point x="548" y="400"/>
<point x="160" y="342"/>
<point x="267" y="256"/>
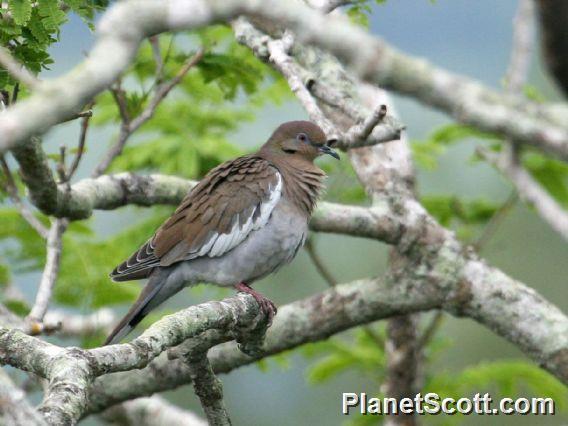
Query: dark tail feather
<point x="139" y="310"/>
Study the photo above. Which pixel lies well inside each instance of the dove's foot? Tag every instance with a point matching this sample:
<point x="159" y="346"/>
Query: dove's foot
<point x="266" y="305"/>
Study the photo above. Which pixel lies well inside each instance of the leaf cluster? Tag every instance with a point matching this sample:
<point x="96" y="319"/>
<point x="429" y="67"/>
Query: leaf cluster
<point x="28" y="28"/>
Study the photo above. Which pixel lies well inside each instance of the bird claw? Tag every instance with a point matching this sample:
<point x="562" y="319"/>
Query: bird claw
<point x="267" y="307"/>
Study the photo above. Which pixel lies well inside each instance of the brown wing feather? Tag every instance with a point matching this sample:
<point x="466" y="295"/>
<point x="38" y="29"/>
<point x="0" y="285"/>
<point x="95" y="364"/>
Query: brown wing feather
<point x="233" y="191"/>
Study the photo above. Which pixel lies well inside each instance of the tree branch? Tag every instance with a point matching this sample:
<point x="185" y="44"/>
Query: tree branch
<point x="277" y="50"/>
<point x="16" y="70"/>
<point x="15" y="409"/>
<point x="522" y="48"/>
<point x="403" y="361"/>
<point x="38" y="177"/>
<point x="374" y="60"/>
<point x="374" y="129"/>
<point x="154" y="411"/>
<point x="208" y="388"/>
<point x="70" y="371"/>
<point x="531" y="191"/>
<point x="510" y="309"/>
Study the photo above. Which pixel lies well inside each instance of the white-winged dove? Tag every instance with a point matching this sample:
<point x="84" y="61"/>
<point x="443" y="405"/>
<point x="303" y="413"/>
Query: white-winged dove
<point x="245" y="219"/>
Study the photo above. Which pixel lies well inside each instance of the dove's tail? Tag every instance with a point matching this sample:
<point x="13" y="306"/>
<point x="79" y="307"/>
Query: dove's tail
<point x="153" y="294"/>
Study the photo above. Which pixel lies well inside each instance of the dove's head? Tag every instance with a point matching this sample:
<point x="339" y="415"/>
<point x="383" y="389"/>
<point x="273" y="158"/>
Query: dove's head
<point x="301" y="140"/>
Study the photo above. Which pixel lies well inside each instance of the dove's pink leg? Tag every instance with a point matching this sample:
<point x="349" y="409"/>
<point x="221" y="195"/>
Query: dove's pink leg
<point x="266" y="304"/>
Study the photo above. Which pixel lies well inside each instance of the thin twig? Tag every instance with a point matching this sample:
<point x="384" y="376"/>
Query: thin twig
<point x="517" y="72"/>
<point x="119" y="96"/>
<point x="50" y="271"/>
<point x="82" y="114"/>
<point x="319" y="264"/>
<point x="332" y="282"/>
<point x="430" y="330"/>
<point x="495" y="221"/>
<point x="519" y="64"/>
<point x="157" y="53"/>
<point x="360" y="132"/>
<point x="80" y="146"/>
<point x="17" y="70"/>
<point x="522" y="48"/>
<point x="365" y="132"/>
<point x="129" y="125"/>
<point x="288" y="68"/>
<point x="61" y="167"/>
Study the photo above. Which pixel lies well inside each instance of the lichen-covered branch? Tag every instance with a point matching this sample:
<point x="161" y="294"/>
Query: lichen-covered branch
<point x="430" y="268"/>
<point x="208" y="389"/>
<point x="507" y="307"/>
<point x="70" y="371"/>
<point x="154" y="411"/>
<point x="109" y="192"/>
<point x="374" y="129"/>
<point x="38" y="177"/>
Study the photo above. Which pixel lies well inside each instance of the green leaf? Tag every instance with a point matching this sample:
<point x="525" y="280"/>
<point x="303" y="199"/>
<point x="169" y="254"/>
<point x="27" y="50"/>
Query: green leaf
<point x="19" y="307"/>
<point x="27" y="248"/>
<point x="551" y="174"/>
<point x="426" y="152"/>
<point x="36" y="27"/>
<point x="21" y="10"/>
<point x="358" y="15"/>
<point x="4" y="275"/>
<point x="52" y="15"/>
<point x="449" y="209"/>
<point x="533" y="93"/>
<point x="365" y="354"/>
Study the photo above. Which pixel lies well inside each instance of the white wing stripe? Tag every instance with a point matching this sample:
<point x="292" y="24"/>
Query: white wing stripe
<point x="207" y="246"/>
<point x="218" y="244"/>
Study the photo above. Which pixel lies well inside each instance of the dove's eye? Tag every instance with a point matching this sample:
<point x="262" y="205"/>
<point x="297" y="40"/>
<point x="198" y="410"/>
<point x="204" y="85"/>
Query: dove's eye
<point x="302" y="137"/>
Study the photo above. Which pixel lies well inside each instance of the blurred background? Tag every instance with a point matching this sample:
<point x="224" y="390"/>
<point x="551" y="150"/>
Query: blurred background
<point x="470" y="38"/>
